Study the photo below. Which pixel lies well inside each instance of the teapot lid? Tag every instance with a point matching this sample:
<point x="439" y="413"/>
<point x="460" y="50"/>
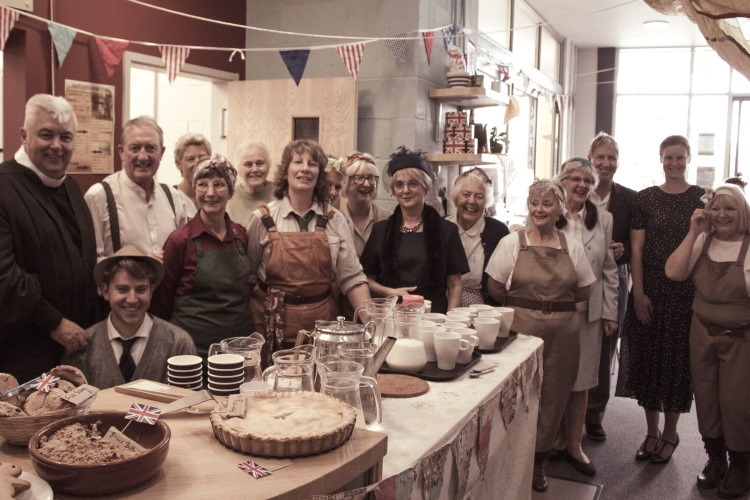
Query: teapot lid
<point x="339" y="327"/>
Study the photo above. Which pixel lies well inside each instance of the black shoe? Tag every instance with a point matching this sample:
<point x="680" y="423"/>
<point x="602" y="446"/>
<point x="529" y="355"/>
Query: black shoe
<point x="555" y="454"/>
<point x="713" y="472"/>
<point x="644" y="453"/>
<point x="596" y="432"/>
<point x="584" y="468"/>
<point x="539" y="482"/>
<point x="737" y="480"/>
<point x="660" y="456"/>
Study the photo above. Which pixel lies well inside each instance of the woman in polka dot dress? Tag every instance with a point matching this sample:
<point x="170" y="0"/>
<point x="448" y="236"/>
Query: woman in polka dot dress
<point x="654" y="354"/>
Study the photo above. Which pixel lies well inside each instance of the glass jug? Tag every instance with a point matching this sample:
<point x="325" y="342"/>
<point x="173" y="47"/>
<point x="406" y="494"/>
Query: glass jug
<point x="364" y="354"/>
<point x="344" y="380"/>
<point x="247" y="347"/>
<point x="377" y="311"/>
<point x="292" y="369"/>
<point x="408" y="353"/>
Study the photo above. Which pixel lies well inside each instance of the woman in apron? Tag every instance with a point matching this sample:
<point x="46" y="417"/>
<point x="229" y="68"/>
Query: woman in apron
<point x="205" y="288"/>
<point x="541" y="275"/>
<point x="301" y="252"/>
<point x="714" y="255"/>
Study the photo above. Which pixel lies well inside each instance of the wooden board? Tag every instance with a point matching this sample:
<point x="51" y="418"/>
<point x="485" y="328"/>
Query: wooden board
<point x="167" y="396"/>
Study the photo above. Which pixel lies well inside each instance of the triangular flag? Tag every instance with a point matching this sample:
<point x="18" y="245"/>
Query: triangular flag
<point x="352" y="56"/>
<point x="428" y="38"/>
<point x="7" y="19"/>
<point x="174" y="58"/>
<point x="62" y="36"/>
<point x="448" y="36"/>
<point x="397" y="46"/>
<point x="296" y="61"/>
<point x="111" y="51"/>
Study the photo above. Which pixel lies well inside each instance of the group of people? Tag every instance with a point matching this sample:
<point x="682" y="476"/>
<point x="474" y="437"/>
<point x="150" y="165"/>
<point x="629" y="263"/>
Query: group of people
<point x="135" y="271"/>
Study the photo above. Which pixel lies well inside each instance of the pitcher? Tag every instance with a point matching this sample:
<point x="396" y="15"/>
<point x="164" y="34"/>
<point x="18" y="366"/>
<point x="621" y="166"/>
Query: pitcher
<point x="292" y="369"/>
<point x="377" y="311"/>
<point x="344" y="380"/>
<point x="408" y="353"/>
<point x="247" y="347"/>
<point x="364" y="354"/>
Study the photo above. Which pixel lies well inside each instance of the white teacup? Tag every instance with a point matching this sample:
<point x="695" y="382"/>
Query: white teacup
<point x="487" y="329"/>
<point x="480" y="307"/>
<point x="428" y="323"/>
<point x="492" y="313"/>
<point x="464" y="323"/>
<point x="468" y="311"/>
<point x="470" y="336"/>
<point x="508" y="313"/>
<point x="448" y="346"/>
<point x="427" y="306"/>
<point x="428" y="337"/>
<point x="434" y="317"/>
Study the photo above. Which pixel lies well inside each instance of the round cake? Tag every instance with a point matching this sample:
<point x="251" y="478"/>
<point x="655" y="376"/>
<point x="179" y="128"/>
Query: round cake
<point x="285" y="424"/>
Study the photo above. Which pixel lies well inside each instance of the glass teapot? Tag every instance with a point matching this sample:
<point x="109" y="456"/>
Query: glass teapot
<point x="328" y="335"/>
<point x="247" y="347"/>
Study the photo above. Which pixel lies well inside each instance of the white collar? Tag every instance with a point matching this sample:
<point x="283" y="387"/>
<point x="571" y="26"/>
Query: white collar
<point x="143" y="331"/>
<point x="23" y="159"/>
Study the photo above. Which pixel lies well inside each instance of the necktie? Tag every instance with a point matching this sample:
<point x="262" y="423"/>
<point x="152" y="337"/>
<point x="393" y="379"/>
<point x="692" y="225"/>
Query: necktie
<point x="304" y="221"/>
<point x="127" y="364"/>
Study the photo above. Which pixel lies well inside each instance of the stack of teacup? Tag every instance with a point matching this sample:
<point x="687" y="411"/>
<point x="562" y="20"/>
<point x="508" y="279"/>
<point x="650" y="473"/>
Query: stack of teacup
<point x="226" y="372"/>
<point x="185" y="371"/>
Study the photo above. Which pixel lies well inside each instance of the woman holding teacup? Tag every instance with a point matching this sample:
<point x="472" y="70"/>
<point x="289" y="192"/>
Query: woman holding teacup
<point x="472" y="193"/>
<point x="415" y="251"/>
<point x="541" y="274"/>
<point x="714" y="255"/>
<point x="583" y="222"/>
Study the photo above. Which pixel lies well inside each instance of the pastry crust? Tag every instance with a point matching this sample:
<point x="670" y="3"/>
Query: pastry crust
<point x="40" y="403"/>
<point x="70" y="373"/>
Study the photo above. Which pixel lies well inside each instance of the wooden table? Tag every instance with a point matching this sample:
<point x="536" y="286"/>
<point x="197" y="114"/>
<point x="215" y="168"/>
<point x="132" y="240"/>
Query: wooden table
<point x="199" y="466"/>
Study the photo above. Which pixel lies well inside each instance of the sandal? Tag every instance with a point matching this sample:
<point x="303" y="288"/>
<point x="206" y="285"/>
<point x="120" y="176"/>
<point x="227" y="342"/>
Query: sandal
<point x="643" y="452"/>
<point x="658" y="457"/>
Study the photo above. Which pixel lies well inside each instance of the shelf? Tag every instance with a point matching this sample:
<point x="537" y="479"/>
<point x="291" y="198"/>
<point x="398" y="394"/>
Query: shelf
<point x="463" y="159"/>
<point x="469" y="97"/>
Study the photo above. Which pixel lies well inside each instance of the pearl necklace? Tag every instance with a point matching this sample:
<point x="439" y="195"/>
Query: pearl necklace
<point x="412" y="229"/>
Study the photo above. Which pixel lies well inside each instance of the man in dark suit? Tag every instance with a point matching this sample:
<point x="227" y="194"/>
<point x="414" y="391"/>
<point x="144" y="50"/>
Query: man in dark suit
<point x="604" y="153"/>
<point x="47" y="246"/>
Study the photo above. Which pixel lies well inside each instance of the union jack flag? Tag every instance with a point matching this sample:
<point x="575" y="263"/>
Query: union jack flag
<point x="254" y="469"/>
<point x="45" y="382"/>
<point x="143" y="413"/>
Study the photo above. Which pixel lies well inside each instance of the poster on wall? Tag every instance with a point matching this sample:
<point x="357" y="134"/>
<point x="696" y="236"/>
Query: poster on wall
<point x="94" y="105"/>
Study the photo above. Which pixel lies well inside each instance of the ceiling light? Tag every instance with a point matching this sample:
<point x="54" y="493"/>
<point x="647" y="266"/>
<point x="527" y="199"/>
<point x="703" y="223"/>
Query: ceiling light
<point x="655" y="24"/>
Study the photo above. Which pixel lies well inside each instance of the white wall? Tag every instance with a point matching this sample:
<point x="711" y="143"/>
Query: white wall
<point x="584" y="101"/>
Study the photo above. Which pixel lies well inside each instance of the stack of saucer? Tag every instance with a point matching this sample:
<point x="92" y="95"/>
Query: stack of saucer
<point x="185" y="371"/>
<point x="226" y="372"/>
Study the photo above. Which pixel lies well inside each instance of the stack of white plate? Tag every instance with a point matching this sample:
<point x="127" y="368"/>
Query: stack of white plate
<point x="226" y="372"/>
<point x="185" y="371"/>
<point x="458" y="78"/>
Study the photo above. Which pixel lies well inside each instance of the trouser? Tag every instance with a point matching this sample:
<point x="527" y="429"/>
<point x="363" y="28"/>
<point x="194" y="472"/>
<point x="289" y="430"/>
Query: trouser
<point x="720" y="367"/>
<point x="599" y="395"/>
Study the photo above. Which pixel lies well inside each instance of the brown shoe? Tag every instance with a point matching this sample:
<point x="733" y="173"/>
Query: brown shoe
<point x="648" y="447"/>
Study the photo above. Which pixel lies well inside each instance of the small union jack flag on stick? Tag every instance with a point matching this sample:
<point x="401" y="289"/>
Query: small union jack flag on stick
<point x="254" y="469"/>
<point x="143" y="413"/>
<point x="45" y="382"/>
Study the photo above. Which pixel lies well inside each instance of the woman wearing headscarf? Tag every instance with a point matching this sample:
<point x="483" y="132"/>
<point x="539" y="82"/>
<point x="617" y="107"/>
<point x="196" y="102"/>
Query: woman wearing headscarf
<point x="541" y="274"/>
<point x="714" y="255"/>
<point x="415" y="251"/>
<point x="205" y="290"/>
<point x="301" y="252"/>
<point x="253" y="189"/>
<point x="472" y="193"/>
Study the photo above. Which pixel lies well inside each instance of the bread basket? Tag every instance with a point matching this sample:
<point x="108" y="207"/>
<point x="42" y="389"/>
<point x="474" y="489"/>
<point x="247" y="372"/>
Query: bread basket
<point x="19" y="430"/>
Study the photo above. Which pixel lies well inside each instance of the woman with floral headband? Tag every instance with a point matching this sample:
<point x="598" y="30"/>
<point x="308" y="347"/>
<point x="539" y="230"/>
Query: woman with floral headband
<point x="714" y="256"/>
<point x="205" y="290"/>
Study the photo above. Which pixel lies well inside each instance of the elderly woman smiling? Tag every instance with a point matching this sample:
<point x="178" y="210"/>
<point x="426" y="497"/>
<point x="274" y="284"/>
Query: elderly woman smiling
<point x="472" y="193"/>
<point x="415" y="250"/>
<point x="252" y="188"/>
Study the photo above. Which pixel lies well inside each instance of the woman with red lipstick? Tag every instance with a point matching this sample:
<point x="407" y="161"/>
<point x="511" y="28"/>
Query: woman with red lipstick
<point x="654" y="351"/>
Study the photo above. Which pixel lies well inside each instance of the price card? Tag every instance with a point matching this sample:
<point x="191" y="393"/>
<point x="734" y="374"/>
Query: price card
<point x="122" y="441"/>
<point x="236" y="405"/>
<point x="80" y="394"/>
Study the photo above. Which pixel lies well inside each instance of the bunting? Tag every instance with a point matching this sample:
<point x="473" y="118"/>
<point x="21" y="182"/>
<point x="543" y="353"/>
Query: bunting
<point x="111" y="51"/>
<point x="296" y="61"/>
<point x="62" y="37"/>
<point x="397" y="46"/>
<point x="7" y="19"/>
<point x="428" y="36"/>
<point x="448" y="34"/>
<point x="174" y="58"/>
<point x="351" y="55"/>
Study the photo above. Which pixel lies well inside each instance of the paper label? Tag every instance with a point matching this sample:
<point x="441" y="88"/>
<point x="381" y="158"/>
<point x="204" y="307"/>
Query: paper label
<point x="80" y="394"/>
<point x="147" y="385"/>
<point x="236" y="405"/>
<point x="122" y="441"/>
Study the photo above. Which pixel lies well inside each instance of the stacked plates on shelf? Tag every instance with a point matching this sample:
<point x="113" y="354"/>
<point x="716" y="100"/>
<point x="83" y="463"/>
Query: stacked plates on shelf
<point x="458" y="78"/>
<point x="185" y="371"/>
<point x="226" y="372"/>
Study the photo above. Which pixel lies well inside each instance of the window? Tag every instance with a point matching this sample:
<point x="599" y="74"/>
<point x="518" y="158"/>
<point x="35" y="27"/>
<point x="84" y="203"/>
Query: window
<point x="494" y="20"/>
<point x="549" y="55"/>
<point x="525" y="29"/>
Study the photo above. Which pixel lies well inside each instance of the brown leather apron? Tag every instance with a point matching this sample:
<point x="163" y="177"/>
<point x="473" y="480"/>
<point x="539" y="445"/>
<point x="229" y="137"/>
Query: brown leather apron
<point x="545" y="282"/>
<point x="720" y="348"/>
<point x="298" y="286"/>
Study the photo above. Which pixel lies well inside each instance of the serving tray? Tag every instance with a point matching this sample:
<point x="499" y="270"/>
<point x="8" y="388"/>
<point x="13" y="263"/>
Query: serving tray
<point x="434" y="374"/>
<point x="500" y="343"/>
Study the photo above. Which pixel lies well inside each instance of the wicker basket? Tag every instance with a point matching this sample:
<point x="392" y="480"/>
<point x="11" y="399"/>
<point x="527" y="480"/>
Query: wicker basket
<point x="18" y="430"/>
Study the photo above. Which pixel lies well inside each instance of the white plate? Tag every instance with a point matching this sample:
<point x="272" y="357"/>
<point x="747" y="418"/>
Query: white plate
<point x="40" y="489"/>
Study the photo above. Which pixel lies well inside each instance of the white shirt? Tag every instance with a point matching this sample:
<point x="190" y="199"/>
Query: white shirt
<point x="143" y="223"/>
<point x="136" y="351"/>
<point x="22" y="158"/>
<point x="721" y="251"/>
<point x="503" y="261"/>
<point x="348" y="270"/>
<point x="574" y="227"/>
<point x="472" y="242"/>
<point x="187" y="203"/>
<point x="600" y="202"/>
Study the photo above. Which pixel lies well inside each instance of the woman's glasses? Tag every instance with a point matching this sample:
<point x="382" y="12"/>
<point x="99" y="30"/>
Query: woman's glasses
<point x="361" y="179"/>
<point x="219" y="186"/>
